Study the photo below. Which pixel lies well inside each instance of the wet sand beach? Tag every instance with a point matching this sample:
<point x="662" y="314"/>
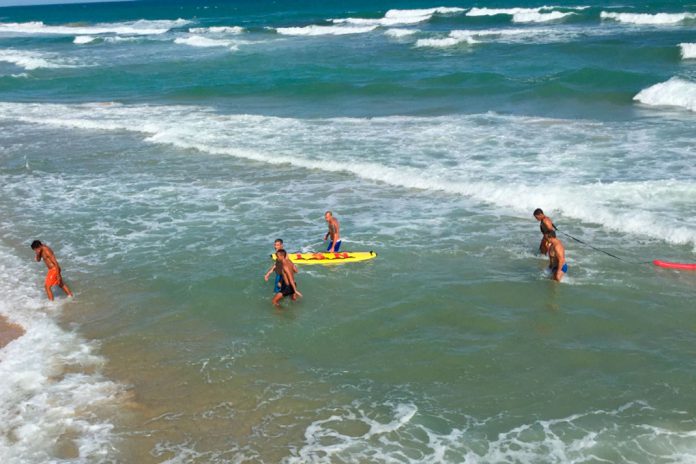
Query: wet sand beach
<point x="9" y="331"/>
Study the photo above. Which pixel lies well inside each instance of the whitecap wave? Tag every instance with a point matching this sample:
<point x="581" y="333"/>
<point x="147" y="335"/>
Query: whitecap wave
<point x="524" y="15"/>
<point x="140" y="27"/>
<point x="52" y="394"/>
<point x="453" y="39"/>
<point x="84" y="39"/>
<point x="398" y="33"/>
<point x="200" y="41"/>
<point x="675" y="92"/>
<point x="648" y="19"/>
<point x="401" y="17"/>
<point x="313" y="30"/>
<point x="398" y="151"/>
<point x="688" y="50"/>
<point x="30" y="60"/>
<point x="217" y="30"/>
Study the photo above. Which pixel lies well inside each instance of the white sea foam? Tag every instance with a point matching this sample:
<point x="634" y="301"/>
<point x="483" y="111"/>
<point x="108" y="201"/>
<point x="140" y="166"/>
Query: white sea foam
<point x="688" y="50"/>
<point x="217" y="30"/>
<point x="404" y="437"/>
<point x="524" y="15"/>
<point x="397" y="33"/>
<point x="458" y="37"/>
<point x="200" y="41"/>
<point x="140" y="27"/>
<point x="674" y="92"/>
<point x="34" y="60"/>
<point x="52" y="395"/>
<point x="454" y="38"/>
<point x="84" y="39"/>
<point x="503" y="160"/>
<point x="324" y="30"/>
<point x="649" y="19"/>
<point x="401" y="17"/>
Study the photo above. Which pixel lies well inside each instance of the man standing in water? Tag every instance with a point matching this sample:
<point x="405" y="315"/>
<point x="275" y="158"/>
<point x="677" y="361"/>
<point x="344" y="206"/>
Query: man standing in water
<point x="288" y="287"/>
<point x="278" y="245"/>
<point x="53" y="277"/>
<point x="546" y="225"/>
<point x="334" y="232"/>
<point x="557" y="262"/>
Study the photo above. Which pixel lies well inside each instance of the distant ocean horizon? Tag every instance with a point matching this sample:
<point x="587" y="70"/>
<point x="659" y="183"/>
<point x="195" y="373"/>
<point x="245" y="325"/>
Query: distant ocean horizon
<point x="161" y="147"/>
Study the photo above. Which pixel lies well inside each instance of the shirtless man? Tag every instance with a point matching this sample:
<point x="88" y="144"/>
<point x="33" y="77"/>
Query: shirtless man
<point x="288" y="287"/>
<point x="278" y="245"/>
<point x="546" y="225"/>
<point x="334" y="232"/>
<point x="557" y="262"/>
<point x="53" y="277"/>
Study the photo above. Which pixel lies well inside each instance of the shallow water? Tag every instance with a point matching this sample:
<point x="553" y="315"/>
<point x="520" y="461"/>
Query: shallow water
<point x="161" y="162"/>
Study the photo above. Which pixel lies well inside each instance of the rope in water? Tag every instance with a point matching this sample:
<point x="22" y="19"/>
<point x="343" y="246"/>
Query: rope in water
<point x="601" y="251"/>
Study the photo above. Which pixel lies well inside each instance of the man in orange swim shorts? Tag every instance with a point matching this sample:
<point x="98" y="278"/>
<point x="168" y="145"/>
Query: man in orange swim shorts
<point x="53" y="277"/>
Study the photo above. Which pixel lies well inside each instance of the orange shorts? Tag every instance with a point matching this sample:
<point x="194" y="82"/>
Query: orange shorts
<point x="53" y="277"/>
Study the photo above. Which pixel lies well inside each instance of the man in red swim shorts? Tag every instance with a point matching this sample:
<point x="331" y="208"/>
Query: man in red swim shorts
<point x="53" y="277"/>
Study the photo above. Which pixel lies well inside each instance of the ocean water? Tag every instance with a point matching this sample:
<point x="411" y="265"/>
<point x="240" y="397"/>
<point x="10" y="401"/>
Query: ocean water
<point x="160" y="147"/>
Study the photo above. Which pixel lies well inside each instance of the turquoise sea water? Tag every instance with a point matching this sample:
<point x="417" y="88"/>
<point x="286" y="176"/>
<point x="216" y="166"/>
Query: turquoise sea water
<point x="161" y="147"/>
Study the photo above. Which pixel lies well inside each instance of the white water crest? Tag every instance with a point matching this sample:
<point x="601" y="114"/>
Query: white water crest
<point x="217" y="30"/>
<point x="397" y="32"/>
<point x="688" y="50"/>
<point x="401" y="17"/>
<point x="524" y="15"/>
<point x="674" y="92"/>
<point x="324" y="30"/>
<point x="496" y="160"/>
<point x="30" y="60"/>
<point x="205" y="42"/>
<point x="649" y="19"/>
<point x="140" y="27"/>
<point x="52" y="395"/>
<point x="84" y="39"/>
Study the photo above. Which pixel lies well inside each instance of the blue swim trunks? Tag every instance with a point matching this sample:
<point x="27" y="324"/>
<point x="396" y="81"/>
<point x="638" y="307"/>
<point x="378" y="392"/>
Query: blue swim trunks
<point x="338" y="245"/>
<point x="276" y="287"/>
<point x="564" y="268"/>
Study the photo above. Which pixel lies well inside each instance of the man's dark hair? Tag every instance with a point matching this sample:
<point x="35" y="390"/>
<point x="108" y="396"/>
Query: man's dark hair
<point x="279" y="240"/>
<point x="282" y="253"/>
<point x="36" y="244"/>
<point x="551" y="234"/>
<point x="538" y="211"/>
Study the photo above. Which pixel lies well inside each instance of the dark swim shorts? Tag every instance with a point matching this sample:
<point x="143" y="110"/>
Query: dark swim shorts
<point x="286" y="290"/>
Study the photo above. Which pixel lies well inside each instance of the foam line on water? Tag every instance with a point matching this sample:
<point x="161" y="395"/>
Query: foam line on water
<point x="501" y="166"/>
<point x="314" y="30"/>
<point x="514" y="35"/>
<point x="139" y="27"/>
<point x="656" y="19"/>
<point x="675" y="92"/>
<point x="403" y="436"/>
<point x="30" y="60"/>
<point x="52" y="394"/>
<point x="217" y="30"/>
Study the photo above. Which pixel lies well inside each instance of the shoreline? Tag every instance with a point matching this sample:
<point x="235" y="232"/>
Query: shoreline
<point x="9" y="331"/>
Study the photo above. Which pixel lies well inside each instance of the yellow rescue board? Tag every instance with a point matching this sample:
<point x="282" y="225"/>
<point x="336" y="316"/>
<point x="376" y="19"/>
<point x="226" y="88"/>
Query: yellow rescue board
<point x="326" y="258"/>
